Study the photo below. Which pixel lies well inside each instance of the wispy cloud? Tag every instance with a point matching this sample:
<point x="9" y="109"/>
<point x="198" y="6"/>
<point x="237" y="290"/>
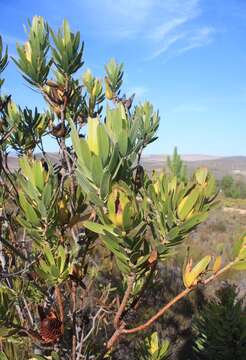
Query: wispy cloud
<point x="200" y="38"/>
<point x="185" y="41"/>
<point x="181" y="34"/>
<point x="157" y="25"/>
<point x="178" y="13"/>
<point x="167" y="43"/>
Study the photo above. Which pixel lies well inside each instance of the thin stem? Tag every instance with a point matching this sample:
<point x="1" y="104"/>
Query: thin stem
<point x="124" y="302"/>
<point x="74" y="338"/>
<point x="86" y="337"/>
<point x="29" y="315"/>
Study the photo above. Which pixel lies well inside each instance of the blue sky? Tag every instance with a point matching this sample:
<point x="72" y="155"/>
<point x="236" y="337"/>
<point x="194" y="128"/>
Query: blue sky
<point x="188" y="57"/>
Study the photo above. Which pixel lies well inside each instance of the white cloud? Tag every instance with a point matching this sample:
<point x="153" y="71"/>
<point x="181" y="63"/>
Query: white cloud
<point x="157" y="25"/>
<point x="200" y="38"/>
<point x="163" y="30"/>
<point x="178" y="14"/>
<point x="167" y="43"/>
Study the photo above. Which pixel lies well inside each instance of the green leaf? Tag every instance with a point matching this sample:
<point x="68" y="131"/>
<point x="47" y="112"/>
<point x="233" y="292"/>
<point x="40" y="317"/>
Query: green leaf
<point x="97" y="170"/>
<point x="94" y="198"/>
<point x="81" y="148"/>
<point x="241" y="265"/>
<point x="3" y="356"/>
<point x="92" y="139"/>
<point x="103" y="143"/>
<point x="105" y="184"/>
<point x="238" y="245"/>
<point x="114" y="160"/>
<point x="201" y="175"/>
<point x="49" y="255"/>
<point x="97" y="228"/>
<point x="188" y="203"/>
<point x="198" y="269"/>
<point x="164" y="349"/>
<point x="123" y="142"/>
<point x="29" y="211"/>
<point x="85" y="184"/>
<point x="38" y="175"/>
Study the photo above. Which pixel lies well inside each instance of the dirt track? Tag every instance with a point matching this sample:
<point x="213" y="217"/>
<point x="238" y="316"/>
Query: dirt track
<point x="232" y="209"/>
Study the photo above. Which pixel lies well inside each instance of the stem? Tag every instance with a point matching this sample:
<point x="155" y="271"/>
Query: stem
<point x="122" y="330"/>
<point x="183" y="293"/>
<point x="7" y="135"/>
<point x="123" y="304"/>
<point x="159" y="313"/>
<point x="29" y="315"/>
<point x="74" y="338"/>
<point x="8" y="176"/>
<point x="118" y="332"/>
<point x="60" y="305"/>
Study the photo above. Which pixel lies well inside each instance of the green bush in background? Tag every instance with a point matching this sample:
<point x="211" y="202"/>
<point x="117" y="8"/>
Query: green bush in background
<point x="221" y="327"/>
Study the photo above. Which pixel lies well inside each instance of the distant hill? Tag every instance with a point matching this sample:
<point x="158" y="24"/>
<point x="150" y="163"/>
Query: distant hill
<point x="219" y="166"/>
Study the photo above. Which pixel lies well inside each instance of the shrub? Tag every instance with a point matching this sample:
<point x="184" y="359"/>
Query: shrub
<point x="176" y="166"/>
<point x="220" y="328"/>
<point x="235" y="189"/>
<point x="80" y="240"/>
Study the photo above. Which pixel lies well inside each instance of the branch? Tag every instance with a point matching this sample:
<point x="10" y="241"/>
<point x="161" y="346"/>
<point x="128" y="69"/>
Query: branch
<point x="183" y="293"/>
<point x="60" y="305"/>
<point x="74" y="303"/>
<point x="122" y="329"/>
<point x="123" y="304"/>
<point x="7" y="135"/>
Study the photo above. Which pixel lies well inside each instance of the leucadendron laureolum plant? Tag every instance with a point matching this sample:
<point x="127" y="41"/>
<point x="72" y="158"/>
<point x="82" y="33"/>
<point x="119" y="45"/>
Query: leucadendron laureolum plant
<point x="83" y="233"/>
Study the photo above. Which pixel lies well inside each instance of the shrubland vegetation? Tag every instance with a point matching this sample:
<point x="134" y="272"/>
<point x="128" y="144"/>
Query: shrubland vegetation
<point x="84" y="244"/>
<point x="220" y="328"/>
<point x="233" y="188"/>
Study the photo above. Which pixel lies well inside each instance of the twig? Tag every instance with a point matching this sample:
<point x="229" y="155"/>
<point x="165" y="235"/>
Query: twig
<point x="29" y="315"/>
<point x="84" y="338"/>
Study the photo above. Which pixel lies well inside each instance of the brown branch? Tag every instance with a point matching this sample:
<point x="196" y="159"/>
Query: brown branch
<point x="116" y="335"/>
<point x="160" y="313"/>
<point x="60" y="306"/>
<point x="125" y="299"/>
<point x="122" y="329"/>
<point x="7" y="135"/>
<point x="183" y="293"/>
<point x="8" y="176"/>
<point x="74" y="338"/>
